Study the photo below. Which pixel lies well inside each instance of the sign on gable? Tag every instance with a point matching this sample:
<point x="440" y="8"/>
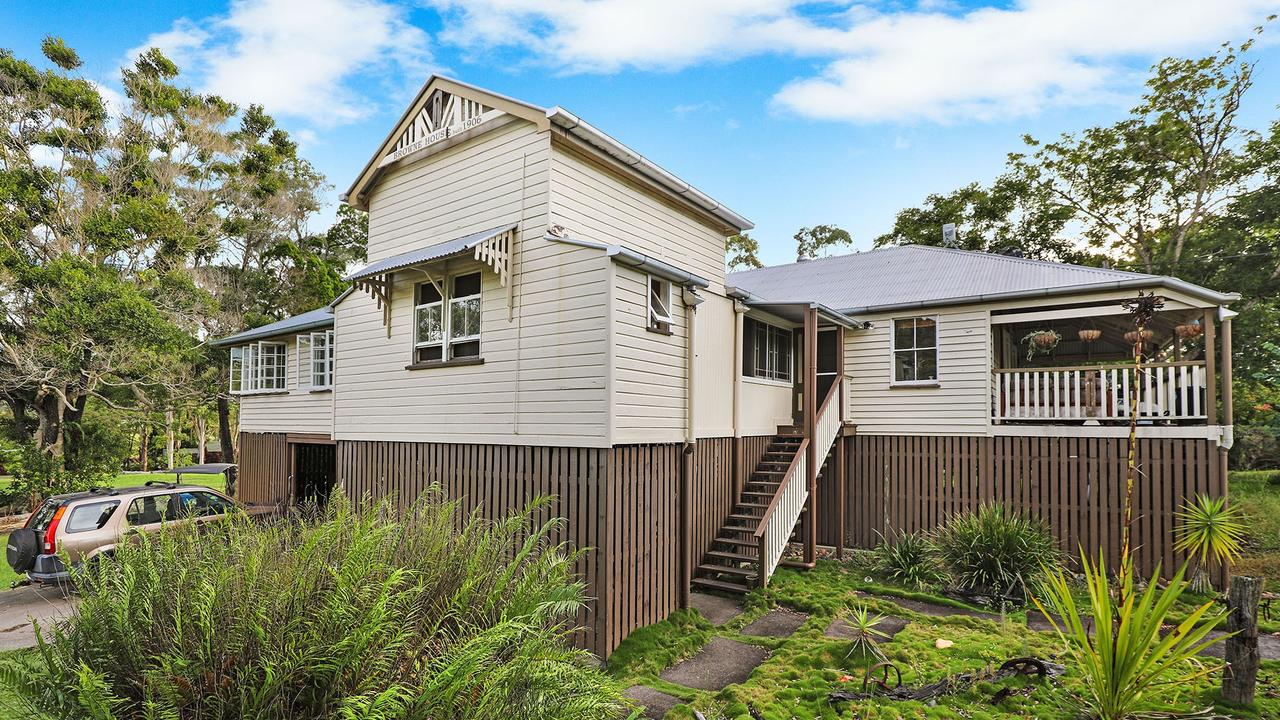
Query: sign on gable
<point x="442" y="116"/>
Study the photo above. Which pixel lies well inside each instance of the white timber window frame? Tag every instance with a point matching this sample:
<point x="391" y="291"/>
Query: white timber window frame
<point x="447" y="328"/>
<point x="315" y="360"/>
<point x="913" y="361"/>
<point x="658" y="304"/>
<point x="259" y="367"/>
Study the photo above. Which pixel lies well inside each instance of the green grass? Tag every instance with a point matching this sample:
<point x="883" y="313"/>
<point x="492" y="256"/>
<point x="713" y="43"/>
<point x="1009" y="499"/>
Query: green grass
<point x="802" y="669"/>
<point x="1257" y="494"/>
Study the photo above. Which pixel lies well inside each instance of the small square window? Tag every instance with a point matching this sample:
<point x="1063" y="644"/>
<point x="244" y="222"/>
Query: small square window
<point x="915" y="350"/>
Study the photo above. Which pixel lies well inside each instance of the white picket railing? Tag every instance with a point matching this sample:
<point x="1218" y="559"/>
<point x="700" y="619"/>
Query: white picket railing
<point x="1166" y="391"/>
<point x="779" y="521"/>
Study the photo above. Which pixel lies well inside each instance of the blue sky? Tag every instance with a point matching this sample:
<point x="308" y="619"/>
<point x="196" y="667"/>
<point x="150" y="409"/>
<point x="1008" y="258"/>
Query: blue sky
<point x="792" y="113"/>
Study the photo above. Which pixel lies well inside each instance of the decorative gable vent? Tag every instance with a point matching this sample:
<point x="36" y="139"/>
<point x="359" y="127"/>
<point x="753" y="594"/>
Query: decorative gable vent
<point x="442" y="116"/>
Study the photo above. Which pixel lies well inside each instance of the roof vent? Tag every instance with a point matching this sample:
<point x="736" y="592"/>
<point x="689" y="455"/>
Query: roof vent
<point x="803" y="258"/>
<point x="1012" y="252"/>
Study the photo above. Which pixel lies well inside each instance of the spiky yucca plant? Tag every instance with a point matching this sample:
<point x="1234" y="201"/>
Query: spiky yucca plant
<point x="359" y="612"/>
<point x="1124" y="661"/>
<point x="1211" y="533"/>
<point x="865" y="635"/>
<point x="909" y="559"/>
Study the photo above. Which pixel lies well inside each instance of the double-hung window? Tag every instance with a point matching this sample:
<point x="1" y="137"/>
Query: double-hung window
<point x="447" y="327"/>
<point x="766" y="351"/>
<point x="915" y="351"/>
<point x="315" y="360"/>
<point x="659" y="305"/>
<point x="258" y="367"/>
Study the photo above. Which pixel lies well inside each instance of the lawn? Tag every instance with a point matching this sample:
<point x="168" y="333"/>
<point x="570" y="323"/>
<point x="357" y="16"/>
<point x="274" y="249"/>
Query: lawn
<point x="1257" y="494"/>
<point x="802" y="669"/>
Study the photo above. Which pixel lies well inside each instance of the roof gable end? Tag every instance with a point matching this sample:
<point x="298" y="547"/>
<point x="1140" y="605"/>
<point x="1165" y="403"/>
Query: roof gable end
<point x="442" y="109"/>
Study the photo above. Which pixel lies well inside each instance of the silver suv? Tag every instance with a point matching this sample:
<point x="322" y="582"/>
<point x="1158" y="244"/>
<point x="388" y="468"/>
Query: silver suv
<point x="89" y="525"/>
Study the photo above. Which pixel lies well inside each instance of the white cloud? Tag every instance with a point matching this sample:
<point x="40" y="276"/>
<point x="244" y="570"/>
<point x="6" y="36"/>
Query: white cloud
<point x="934" y="62"/>
<point x="297" y="57"/>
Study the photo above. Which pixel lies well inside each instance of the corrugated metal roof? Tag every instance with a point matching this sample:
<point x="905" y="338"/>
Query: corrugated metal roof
<point x="310" y="320"/>
<point x="427" y="254"/>
<point x="918" y="275"/>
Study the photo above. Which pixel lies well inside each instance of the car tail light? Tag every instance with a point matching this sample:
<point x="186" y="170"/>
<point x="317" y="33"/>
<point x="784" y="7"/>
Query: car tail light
<point x="52" y="530"/>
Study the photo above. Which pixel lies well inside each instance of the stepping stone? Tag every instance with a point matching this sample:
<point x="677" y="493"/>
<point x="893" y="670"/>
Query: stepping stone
<point x="778" y="623"/>
<point x="843" y="630"/>
<point x="655" y="704"/>
<point x="719" y="663"/>
<point x="715" y="608"/>
<point x="936" y="610"/>
<point x="1038" y="622"/>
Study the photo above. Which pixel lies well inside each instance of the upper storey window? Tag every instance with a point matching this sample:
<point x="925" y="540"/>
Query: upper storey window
<point x="447" y="327"/>
<point x="766" y="351"/>
<point x="258" y="367"/>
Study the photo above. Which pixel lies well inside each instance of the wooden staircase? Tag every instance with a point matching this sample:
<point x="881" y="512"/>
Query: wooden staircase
<point x="732" y="564"/>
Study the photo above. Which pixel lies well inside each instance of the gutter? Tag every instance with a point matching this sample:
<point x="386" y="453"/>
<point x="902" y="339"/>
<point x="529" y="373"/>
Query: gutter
<point x="253" y="335"/>
<point x="574" y="125"/>
<point x="1136" y="283"/>
<point x="639" y="261"/>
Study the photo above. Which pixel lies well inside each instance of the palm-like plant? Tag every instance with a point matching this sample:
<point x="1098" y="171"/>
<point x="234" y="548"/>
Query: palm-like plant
<point x="1211" y="532"/>
<point x="1125" y="658"/>
<point x="865" y="634"/>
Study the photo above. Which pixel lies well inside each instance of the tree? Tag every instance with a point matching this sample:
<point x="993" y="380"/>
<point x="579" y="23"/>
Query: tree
<point x="1143" y="187"/>
<point x="1011" y="216"/>
<point x="810" y="242"/>
<point x="742" y="252"/>
<point x="97" y="217"/>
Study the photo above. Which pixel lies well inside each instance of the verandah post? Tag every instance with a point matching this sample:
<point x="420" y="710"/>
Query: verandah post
<point x="810" y="410"/>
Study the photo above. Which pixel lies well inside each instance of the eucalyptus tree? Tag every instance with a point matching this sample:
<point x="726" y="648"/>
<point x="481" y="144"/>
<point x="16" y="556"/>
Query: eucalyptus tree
<point x="742" y="252"/>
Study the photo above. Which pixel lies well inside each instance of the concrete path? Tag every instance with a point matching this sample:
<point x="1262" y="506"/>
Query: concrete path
<point x="719" y="663"/>
<point x="19" y="606"/>
<point x="715" y="608"/>
<point x="777" y="623"/>
<point x="655" y="704"/>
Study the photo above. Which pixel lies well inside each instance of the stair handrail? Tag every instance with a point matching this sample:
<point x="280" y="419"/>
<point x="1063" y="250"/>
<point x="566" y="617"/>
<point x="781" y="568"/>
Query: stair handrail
<point x="823" y="444"/>
<point x="767" y="559"/>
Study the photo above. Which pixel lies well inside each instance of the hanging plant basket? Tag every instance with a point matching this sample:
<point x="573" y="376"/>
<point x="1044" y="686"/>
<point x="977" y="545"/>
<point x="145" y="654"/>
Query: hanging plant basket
<point x="1133" y="337"/>
<point x="1041" y="342"/>
<point x="1090" y="335"/>
<point x="1187" y="331"/>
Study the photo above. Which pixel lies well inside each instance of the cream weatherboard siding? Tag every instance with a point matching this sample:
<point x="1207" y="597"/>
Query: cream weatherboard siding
<point x="543" y="377"/>
<point x="715" y="367"/>
<point x="484" y="183"/>
<point x="649" y="368"/>
<point x="297" y="411"/>
<point x="959" y="405"/>
<point x="594" y="204"/>
<point x="765" y="405"/>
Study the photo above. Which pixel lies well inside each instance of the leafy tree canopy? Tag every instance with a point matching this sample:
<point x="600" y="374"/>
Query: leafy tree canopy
<point x="814" y="241"/>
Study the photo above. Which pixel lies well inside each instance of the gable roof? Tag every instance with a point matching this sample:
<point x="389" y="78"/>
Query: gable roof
<point x="309" y="320"/>
<point x="924" y="276"/>
<point x="544" y="119"/>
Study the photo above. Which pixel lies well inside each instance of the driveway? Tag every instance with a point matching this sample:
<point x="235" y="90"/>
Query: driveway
<point x="19" y="606"/>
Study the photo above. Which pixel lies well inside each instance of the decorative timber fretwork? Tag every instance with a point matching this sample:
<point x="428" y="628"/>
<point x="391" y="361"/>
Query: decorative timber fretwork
<point x="379" y="288"/>
<point x="496" y="253"/>
<point x="442" y="116"/>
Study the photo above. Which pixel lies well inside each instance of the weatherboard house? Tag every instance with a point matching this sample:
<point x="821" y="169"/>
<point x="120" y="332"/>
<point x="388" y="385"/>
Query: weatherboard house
<point x="546" y="312"/>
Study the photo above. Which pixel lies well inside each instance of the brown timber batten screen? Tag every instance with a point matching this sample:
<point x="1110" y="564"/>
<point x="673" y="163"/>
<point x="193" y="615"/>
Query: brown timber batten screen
<point x="622" y="502"/>
<point x="263" y="470"/>
<point x="1076" y="484"/>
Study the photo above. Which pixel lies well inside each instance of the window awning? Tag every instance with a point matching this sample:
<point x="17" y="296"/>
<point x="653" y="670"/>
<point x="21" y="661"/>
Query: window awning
<point x="492" y="247"/>
<point x="482" y="242"/>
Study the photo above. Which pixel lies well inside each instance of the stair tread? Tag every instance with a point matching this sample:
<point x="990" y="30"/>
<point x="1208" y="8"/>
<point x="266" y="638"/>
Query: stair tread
<point x="726" y="555"/>
<point x="721" y="585"/>
<point x="728" y="570"/>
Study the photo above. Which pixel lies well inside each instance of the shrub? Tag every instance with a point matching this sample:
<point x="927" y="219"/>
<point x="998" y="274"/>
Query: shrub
<point x="909" y="559"/>
<point x="1127" y="666"/>
<point x="996" y="550"/>
<point x="361" y="612"/>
